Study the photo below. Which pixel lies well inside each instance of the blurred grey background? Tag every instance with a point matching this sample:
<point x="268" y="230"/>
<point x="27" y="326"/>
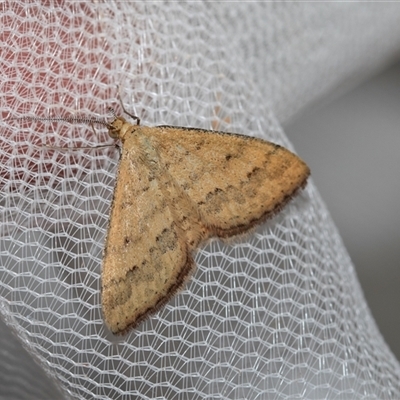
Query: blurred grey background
<point x="352" y="144"/>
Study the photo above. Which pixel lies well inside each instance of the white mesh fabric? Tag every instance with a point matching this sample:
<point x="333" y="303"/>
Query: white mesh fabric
<point x="277" y="314"/>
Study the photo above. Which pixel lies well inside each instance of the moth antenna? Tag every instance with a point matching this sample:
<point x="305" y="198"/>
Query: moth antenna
<point x="135" y="117"/>
<point x="82" y="120"/>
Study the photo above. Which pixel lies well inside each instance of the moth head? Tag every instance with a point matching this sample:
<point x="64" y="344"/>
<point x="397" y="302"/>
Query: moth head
<point x="115" y="128"/>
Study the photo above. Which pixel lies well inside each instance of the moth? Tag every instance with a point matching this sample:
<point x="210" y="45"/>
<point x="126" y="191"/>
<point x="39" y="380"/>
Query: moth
<point x="177" y="187"/>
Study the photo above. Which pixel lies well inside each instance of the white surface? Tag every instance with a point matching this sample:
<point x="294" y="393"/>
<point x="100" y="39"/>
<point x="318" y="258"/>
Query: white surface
<point x="279" y="314"/>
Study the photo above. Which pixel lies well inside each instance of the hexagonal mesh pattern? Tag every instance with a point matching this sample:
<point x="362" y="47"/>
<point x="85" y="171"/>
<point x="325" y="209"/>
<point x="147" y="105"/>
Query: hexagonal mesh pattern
<point x="276" y="314"/>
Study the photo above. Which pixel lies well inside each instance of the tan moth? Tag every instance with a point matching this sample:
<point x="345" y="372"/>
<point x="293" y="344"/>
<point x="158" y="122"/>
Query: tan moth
<point x="177" y="187"/>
